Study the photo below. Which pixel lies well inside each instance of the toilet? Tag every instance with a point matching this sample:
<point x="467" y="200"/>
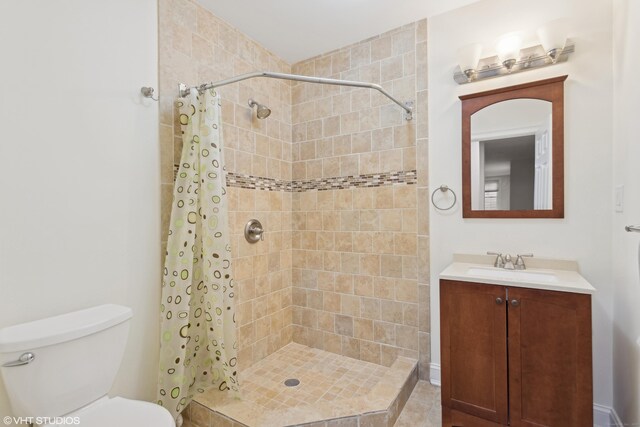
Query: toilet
<point x="60" y="369"/>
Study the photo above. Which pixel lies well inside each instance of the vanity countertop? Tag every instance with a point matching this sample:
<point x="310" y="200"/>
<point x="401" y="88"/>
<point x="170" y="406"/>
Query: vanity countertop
<point x="550" y="275"/>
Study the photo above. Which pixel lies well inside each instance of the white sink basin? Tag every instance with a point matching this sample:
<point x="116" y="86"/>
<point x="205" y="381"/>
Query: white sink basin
<point x="519" y="275"/>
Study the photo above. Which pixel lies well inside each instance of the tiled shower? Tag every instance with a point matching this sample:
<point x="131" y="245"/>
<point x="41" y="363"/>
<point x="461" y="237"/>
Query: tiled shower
<point x="337" y="177"/>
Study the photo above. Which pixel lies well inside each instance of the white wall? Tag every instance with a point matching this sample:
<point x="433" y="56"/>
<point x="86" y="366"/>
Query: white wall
<point x="626" y="171"/>
<point x="584" y="234"/>
<point x="79" y="179"/>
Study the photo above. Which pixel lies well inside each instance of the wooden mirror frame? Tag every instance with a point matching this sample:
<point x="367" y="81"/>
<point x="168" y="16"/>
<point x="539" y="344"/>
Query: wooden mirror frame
<point x="551" y="90"/>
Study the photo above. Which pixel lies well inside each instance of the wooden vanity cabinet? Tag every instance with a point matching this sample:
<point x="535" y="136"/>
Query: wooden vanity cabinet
<point x="514" y="356"/>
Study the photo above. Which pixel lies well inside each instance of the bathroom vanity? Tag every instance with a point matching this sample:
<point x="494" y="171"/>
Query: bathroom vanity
<point x="515" y="344"/>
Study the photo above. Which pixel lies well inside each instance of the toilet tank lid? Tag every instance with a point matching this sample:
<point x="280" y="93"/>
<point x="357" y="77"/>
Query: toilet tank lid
<point x="62" y="328"/>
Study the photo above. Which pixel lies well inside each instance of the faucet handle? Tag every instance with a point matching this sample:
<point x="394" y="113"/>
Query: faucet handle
<point x="499" y="263"/>
<point x="519" y="265"/>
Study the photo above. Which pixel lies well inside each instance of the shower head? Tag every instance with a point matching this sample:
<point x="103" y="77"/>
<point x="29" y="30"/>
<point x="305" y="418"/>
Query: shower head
<point x="262" y="112"/>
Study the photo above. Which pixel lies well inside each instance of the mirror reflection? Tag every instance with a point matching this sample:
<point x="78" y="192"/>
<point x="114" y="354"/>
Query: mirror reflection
<point x="511" y="151"/>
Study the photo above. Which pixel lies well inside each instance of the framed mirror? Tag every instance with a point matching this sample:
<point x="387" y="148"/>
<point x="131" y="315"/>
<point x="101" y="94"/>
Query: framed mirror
<point x="513" y="151"/>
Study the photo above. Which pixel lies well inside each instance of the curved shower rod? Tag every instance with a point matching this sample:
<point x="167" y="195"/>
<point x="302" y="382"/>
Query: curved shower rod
<point x="407" y="106"/>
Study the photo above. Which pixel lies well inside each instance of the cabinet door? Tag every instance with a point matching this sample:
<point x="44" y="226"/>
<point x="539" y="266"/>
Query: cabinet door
<point x="473" y="327"/>
<point x="550" y="373"/>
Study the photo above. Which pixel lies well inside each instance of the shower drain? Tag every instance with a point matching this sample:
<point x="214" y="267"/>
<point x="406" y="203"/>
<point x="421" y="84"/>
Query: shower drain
<point x="292" y="382"/>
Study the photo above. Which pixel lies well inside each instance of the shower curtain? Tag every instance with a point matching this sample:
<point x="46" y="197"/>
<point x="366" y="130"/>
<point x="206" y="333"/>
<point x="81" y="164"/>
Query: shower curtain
<point x="198" y="347"/>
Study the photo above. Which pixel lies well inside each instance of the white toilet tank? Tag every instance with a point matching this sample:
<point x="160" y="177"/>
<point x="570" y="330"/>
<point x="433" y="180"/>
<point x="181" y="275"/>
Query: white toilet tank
<point x="76" y="358"/>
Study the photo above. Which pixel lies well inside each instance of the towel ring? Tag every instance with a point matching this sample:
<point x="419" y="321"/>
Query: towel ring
<point x="444" y="189"/>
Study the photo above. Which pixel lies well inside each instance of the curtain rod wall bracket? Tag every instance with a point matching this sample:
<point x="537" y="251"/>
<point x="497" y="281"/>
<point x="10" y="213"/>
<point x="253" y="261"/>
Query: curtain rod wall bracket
<point x="184" y="90"/>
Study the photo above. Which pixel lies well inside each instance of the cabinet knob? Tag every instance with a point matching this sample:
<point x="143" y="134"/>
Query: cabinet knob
<point x="515" y="302"/>
<point x="498" y="300"/>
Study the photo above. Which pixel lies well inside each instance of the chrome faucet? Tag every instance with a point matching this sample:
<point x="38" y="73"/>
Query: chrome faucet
<point x="507" y="263"/>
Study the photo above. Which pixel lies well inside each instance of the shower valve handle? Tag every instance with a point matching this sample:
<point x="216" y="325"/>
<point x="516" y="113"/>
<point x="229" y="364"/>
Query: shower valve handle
<point x="253" y="231"/>
<point x="258" y="232"/>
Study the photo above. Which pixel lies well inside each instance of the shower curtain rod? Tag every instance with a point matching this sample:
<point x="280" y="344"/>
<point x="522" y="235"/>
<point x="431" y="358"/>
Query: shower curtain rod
<point x="407" y="106"/>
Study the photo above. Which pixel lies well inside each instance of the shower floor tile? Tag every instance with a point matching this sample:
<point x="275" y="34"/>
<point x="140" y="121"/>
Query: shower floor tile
<point x="331" y="387"/>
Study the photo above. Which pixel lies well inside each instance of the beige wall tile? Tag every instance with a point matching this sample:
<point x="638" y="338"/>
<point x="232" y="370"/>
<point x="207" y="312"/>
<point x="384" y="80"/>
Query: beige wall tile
<point x="343" y="241"/>
<point x="350" y="305"/>
<point x="344" y="283"/>
<point x="391" y="311"/>
<point x="409" y="220"/>
<point x="391" y="68"/>
<point x="332" y="302"/>
<point x="349" y="165"/>
<point x="370" y="308"/>
<point x="407" y="290"/>
<point x="405" y="243"/>
<point x="390" y="220"/>
<point x="404" y="196"/>
<point x="407" y="337"/>
<point x="384" y="287"/>
<point x="363" y="285"/>
<point x="344" y="325"/>
<point x="382" y="242"/>
<point x="391" y="160"/>
<point x="332" y="343"/>
<point x="341" y="145"/>
<point x="370" y="265"/>
<point x="384" y="198"/>
<point x="384" y="332"/>
<point x="369" y="220"/>
<point x="349" y="263"/>
<point x="351" y="347"/>
<point x="388" y="354"/>
<point x="326" y="321"/>
<point x="369" y="163"/>
<point x="362" y="241"/>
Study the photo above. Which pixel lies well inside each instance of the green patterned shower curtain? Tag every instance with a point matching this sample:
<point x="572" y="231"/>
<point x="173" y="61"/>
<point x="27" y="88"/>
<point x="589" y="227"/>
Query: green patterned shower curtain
<point x="198" y="347"/>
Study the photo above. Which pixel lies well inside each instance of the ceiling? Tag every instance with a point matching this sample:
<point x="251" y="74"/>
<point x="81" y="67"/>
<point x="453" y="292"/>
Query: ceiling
<point x="299" y="29"/>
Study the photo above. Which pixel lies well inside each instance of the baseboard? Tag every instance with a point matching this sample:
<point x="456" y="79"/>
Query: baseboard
<point x="434" y="374"/>
<point x="603" y="416"/>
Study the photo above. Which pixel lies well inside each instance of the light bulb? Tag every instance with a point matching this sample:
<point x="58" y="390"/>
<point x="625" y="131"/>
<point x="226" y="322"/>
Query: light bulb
<point x="508" y="49"/>
<point x="468" y="59"/>
<point x="553" y="37"/>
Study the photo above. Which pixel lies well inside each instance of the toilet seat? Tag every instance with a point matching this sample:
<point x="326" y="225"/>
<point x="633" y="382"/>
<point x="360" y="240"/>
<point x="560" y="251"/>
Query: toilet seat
<point x="120" y="412"/>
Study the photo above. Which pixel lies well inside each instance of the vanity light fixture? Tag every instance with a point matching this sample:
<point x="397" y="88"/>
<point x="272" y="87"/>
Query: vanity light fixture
<point x="511" y="57"/>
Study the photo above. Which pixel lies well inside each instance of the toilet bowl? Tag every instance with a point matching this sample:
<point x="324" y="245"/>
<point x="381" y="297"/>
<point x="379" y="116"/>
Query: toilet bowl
<point x="58" y="371"/>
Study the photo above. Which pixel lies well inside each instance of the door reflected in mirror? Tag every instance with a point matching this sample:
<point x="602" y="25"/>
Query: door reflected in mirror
<point x="511" y="156"/>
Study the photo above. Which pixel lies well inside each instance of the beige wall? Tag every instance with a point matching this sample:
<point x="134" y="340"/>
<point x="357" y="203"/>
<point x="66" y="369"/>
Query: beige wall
<point x="197" y="47"/>
<point x="358" y="285"/>
<point x="360" y="277"/>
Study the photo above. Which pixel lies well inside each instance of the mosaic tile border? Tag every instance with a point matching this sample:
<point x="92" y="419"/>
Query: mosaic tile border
<point x="357" y="181"/>
<point x="258" y="182"/>
<point x="321" y="184"/>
